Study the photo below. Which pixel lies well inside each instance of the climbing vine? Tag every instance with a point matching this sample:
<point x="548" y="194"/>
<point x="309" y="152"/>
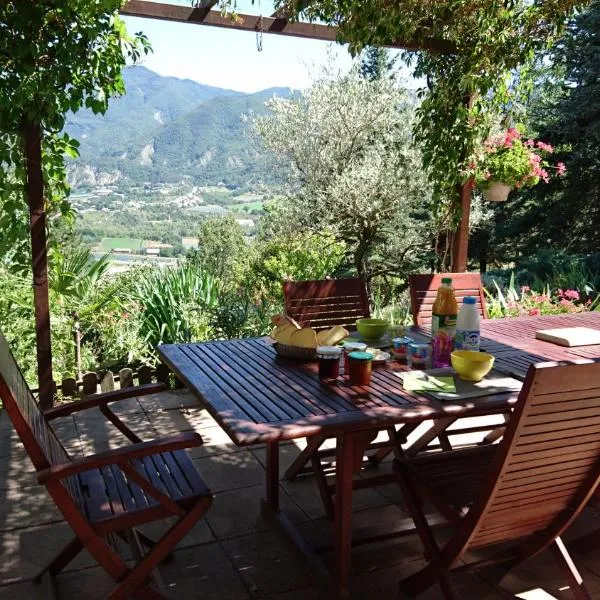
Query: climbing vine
<point x="55" y="57"/>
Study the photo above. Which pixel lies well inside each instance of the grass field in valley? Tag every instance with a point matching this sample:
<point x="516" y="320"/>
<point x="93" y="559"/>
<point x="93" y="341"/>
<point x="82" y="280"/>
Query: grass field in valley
<point x="246" y="206"/>
<point x="111" y="243"/>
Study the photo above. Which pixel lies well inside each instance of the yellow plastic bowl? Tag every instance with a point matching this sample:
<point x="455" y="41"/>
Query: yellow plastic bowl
<point x="470" y="365"/>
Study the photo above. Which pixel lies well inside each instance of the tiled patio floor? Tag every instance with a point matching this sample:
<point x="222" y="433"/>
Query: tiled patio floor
<point x="233" y="554"/>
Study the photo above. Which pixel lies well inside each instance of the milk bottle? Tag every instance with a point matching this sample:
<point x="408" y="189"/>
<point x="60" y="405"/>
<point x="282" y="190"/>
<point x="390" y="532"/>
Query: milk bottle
<point x="468" y="326"/>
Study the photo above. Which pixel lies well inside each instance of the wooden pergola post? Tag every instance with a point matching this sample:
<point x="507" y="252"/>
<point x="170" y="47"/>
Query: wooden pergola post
<point x="460" y="241"/>
<point x="32" y="134"/>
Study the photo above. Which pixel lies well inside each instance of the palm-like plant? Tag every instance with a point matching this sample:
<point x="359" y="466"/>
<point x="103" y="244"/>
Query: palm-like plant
<point x="175" y="302"/>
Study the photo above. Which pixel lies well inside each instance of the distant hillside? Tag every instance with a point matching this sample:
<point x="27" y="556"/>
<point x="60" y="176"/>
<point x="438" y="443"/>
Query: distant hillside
<point x="167" y="130"/>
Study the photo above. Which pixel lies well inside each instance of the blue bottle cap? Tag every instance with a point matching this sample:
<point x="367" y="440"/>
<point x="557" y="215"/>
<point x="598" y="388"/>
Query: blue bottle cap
<point x="469" y="300"/>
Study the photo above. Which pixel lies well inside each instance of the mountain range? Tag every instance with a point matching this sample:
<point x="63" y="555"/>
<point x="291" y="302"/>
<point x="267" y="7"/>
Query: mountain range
<point x="169" y="130"/>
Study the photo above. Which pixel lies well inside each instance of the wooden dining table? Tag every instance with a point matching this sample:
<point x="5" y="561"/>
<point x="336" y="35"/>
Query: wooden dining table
<point x="258" y="397"/>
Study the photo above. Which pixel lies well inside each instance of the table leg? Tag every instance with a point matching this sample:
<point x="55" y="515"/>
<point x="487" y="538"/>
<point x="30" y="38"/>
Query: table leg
<point x="272" y="495"/>
<point x="343" y="513"/>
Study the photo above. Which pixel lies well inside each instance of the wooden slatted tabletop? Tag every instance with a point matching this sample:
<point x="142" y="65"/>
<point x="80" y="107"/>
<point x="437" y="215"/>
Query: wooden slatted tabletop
<point x="513" y="341"/>
<point x="257" y="396"/>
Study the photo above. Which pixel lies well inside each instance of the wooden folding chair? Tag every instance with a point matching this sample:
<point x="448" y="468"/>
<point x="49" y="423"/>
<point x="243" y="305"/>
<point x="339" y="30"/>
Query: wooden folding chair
<point x="321" y="304"/>
<point x="424" y="287"/>
<point x="324" y="303"/>
<point x="108" y="495"/>
<point x="522" y="493"/>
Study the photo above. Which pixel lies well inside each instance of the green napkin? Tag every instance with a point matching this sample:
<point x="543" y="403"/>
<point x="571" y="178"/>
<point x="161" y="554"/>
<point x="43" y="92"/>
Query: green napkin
<point x="420" y="381"/>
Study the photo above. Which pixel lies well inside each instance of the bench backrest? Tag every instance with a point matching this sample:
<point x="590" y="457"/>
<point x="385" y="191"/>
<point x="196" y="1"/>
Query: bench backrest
<point x="548" y="464"/>
<point x="40" y="441"/>
<point x="424" y="287"/>
<point x="324" y="303"/>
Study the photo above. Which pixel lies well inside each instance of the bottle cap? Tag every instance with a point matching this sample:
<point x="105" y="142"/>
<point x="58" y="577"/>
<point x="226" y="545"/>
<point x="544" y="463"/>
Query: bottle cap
<point x="447" y="280"/>
<point x="469" y="300"/>
<point x="360" y="356"/>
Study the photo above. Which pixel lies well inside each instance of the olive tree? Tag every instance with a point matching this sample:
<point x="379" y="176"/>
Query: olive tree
<point x="354" y="169"/>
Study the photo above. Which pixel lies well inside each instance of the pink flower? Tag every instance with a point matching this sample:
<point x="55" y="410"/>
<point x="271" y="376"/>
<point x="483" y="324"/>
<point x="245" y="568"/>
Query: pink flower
<point x="572" y="294"/>
<point x="487" y="175"/>
<point x="534" y="312"/>
<point x="545" y="147"/>
<point x="565" y="302"/>
<point x="530" y="143"/>
<point x="561" y="169"/>
<point x="525" y="289"/>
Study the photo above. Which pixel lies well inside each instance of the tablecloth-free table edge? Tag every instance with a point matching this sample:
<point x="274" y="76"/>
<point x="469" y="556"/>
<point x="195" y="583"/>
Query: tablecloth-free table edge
<point x="244" y="431"/>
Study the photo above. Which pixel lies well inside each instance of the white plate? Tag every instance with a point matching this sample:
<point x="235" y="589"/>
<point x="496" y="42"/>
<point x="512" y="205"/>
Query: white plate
<point x="381" y="357"/>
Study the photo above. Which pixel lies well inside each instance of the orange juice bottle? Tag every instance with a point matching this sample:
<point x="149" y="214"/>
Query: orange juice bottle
<point x="443" y="324"/>
<point x="445" y="309"/>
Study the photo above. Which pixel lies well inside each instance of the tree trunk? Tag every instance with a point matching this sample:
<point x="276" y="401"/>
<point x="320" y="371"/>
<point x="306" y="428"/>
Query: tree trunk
<point x="360" y="264"/>
<point x="32" y="134"/>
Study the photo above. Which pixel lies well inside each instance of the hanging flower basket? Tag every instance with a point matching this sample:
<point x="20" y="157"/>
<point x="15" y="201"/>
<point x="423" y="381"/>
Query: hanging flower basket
<point x="497" y="192"/>
<point x="508" y="161"/>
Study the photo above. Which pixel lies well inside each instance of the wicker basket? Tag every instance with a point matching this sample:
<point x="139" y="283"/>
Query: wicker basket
<point x="295" y="352"/>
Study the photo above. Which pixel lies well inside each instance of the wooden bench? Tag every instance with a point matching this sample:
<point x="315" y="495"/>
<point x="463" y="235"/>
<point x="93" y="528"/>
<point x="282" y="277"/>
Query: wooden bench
<point x="424" y="287"/>
<point x="106" y="496"/>
<point x="324" y="303"/>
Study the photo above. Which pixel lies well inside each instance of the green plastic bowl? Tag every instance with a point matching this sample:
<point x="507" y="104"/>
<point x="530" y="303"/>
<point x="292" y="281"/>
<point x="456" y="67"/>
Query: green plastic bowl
<point x="371" y="329"/>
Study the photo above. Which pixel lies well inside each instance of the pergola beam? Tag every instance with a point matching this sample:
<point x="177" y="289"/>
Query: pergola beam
<point x="202" y="15"/>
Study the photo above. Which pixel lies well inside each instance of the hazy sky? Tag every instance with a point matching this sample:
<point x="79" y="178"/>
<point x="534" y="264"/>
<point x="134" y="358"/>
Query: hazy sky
<point x="230" y="59"/>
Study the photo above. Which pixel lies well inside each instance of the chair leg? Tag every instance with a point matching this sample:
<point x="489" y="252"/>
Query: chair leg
<point x="312" y="445"/>
<point x="61" y="560"/>
<point x="495" y="434"/>
<point x="131" y="583"/>
<point x="435" y="571"/>
<point x="146" y="541"/>
<point x="396" y="438"/>
<point x="567" y="566"/>
<point x="322" y="485"/>
<point x="110" y="415"/>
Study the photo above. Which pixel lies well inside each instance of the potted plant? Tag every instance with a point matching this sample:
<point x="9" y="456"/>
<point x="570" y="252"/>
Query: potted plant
<point x="508" y="161"/>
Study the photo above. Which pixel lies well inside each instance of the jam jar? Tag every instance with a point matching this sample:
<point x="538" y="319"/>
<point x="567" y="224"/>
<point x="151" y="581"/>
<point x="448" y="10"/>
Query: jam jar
<point x="359" y="368"/>
<point x="329" y="361"/>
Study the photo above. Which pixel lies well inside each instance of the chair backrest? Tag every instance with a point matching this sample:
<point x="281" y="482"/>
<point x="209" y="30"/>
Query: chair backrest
<point x="40" y="441"/>
<point x="327" y="302"/>
<point x="548" y="463"/>
<point x="423" y="290"/>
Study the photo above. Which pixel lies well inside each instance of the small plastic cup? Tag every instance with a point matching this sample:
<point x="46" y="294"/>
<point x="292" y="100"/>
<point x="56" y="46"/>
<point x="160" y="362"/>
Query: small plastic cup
<point x="359" y="368"/>
<point x="329" y="361"/>
<point x="401" y="347"/>
<point x="418" y="355"/>
<point x="352" y="347"/>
